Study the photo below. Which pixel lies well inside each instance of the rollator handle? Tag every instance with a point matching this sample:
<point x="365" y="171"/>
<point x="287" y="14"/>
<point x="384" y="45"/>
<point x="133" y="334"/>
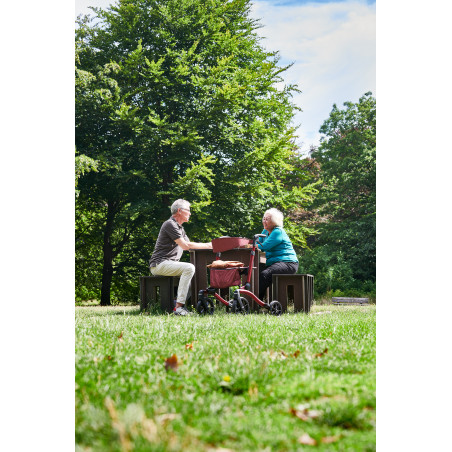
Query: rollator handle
<point x="256" y="237"/>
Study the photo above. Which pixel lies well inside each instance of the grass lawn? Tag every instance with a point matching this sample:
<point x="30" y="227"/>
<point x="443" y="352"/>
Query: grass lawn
<point x="240" y="383"/>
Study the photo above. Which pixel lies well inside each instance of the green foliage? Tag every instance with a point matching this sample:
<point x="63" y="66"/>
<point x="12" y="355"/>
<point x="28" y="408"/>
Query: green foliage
<point x="330" y="269"/>
<point x="343" y="254"/>
<point x="88" y="253"/>
<point x="196" y="185"/>
<point x="177" y="98"/>
<point x="239" y="384"/>
<point x="83" y="164"/>
<point x="334" y="275"/>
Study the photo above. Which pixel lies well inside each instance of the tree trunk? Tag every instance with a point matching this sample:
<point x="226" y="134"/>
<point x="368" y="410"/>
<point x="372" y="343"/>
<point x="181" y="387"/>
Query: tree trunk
<point x="107" y="269"/>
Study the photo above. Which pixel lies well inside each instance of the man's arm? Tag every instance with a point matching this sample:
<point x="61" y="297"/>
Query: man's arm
<point x="193" y="245"/>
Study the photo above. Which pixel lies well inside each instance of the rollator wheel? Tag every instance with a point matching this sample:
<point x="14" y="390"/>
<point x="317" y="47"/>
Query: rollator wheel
<point x="275" y="308"/>
<point x="205" y="306"/>
<point x="241" y="308"/>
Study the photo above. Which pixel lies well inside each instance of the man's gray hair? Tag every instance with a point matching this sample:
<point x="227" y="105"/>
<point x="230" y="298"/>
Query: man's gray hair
<point x="179" y="204"/>
<point x="276" y="216"/>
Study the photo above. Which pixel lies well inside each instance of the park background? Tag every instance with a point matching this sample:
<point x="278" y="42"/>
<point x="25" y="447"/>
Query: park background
<point x="38" y="194"/>
<point x="209" y="113"/>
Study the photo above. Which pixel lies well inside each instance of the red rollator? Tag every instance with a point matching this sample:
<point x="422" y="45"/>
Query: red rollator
<point x="223" y="278"/>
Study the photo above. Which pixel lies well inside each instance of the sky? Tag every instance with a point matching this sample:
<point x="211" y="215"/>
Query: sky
<point x="331" y="45"/>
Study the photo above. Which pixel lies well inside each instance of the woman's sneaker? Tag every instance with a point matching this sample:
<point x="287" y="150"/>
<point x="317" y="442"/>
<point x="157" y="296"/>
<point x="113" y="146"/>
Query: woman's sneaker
<point x="181" y="310"/>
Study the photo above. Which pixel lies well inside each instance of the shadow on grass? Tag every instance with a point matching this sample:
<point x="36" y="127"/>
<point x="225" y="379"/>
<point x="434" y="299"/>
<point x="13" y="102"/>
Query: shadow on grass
<point x="113" y="310"/>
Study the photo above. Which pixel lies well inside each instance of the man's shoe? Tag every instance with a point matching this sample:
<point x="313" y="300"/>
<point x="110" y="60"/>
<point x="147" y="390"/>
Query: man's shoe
<point x="181" y="310"/>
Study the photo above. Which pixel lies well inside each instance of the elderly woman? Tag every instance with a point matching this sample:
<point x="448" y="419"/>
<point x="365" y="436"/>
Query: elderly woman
<point x="281" y="257"/>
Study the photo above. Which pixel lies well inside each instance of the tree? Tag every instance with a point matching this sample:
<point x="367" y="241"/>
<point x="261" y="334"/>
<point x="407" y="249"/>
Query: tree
<point x="346" y="204"/>
<point x="83" y="164"/>
<point x="177" y="98"/>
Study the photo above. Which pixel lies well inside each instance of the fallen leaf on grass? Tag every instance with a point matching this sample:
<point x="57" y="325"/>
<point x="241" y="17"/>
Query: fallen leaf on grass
<point x="171" y="363"/>
<point x="299" y="414"/>
<point x="329" y="439"/>
<point x="318" y="355"/>
<point x="118" y="425"/>
<point x="149" y="429"/>
<point x="281" y="354"/>
<point x="190" y="346"/>
<point x="304" y="414"/>
<point x="307" y="440"/>
<point x="293" y="355"/>
<point x="120" y="337"/>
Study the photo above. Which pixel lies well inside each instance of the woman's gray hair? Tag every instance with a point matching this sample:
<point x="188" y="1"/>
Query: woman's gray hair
<point x="276" y="216"/>
<point x="179" y="204"/>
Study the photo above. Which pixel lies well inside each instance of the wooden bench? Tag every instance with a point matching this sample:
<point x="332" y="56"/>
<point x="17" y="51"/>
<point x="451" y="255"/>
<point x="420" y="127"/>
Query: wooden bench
<point x="303" y="291"/>
<point x="158" y="289"/>
<point x="350" y="301"/>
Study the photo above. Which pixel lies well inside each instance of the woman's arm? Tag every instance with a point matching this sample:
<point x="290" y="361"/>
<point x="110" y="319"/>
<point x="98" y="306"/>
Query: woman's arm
<point x="275" y="238"/>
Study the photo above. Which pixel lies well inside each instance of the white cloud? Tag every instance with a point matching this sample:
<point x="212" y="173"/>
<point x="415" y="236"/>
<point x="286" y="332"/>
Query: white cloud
<point x="332" y="46"/>
<point x="81" y="6"/>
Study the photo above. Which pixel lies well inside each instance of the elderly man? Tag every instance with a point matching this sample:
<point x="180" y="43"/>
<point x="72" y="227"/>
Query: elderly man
<point x="171" y="243"/>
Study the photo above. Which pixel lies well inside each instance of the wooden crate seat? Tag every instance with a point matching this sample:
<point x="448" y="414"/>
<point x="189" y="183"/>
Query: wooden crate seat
<point x="303" y="290"/>
<point x="154" y="289"/>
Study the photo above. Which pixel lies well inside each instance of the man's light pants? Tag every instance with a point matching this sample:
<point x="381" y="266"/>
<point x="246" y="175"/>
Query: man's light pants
<point x="173" y="268"/>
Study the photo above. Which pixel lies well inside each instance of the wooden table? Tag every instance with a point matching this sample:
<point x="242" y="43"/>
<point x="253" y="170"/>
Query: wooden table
<point x="201" y="258"/>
